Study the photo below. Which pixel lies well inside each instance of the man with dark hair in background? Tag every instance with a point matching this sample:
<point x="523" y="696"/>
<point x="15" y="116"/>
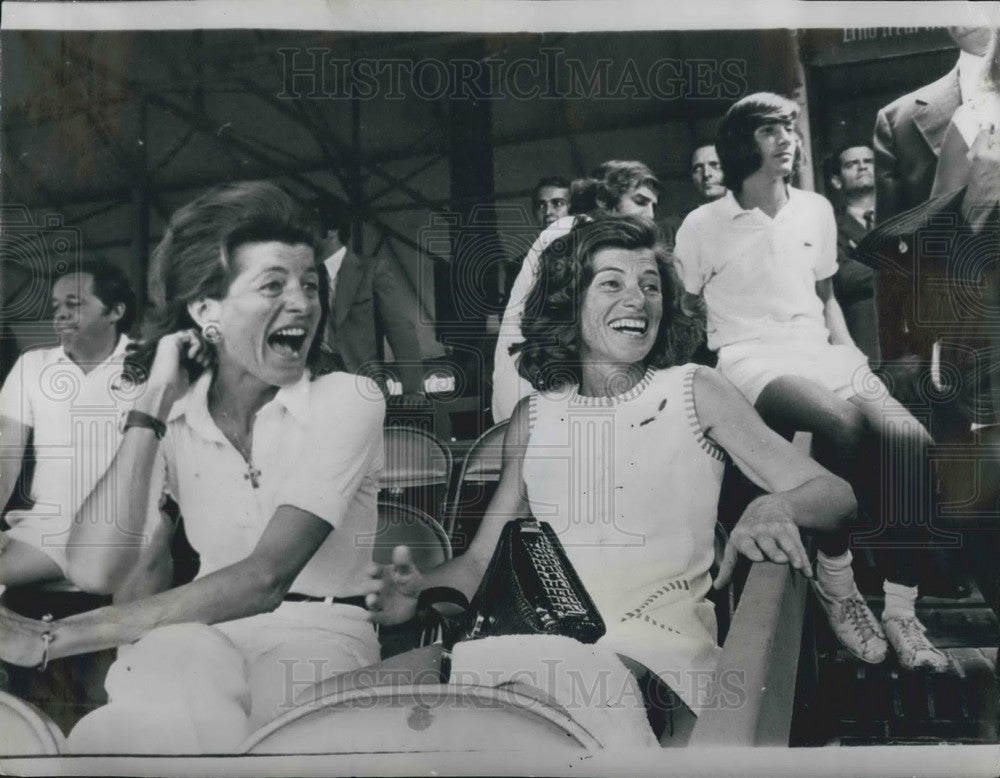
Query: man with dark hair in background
<point x="70" y="400"/>
<point x="360" y="291"/>
<point x="850" y="172"/>
<point x="706" y="176"/>
<point x="550" y="200"/>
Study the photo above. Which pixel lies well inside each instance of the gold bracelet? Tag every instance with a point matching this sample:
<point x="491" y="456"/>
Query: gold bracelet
<point x="46" y="640"/>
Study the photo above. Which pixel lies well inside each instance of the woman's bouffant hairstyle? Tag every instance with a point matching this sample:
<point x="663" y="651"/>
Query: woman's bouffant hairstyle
<point x="549" y="356"/>
<point x="735" y="144"/>
<point x="195" y="260"/>
<point x="607" y="184"/>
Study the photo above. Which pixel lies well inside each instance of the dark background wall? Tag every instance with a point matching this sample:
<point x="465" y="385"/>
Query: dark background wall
<point x="105" y="134"/>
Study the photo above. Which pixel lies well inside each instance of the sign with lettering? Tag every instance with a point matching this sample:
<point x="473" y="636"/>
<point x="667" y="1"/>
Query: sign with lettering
<point x="859" y="44"/>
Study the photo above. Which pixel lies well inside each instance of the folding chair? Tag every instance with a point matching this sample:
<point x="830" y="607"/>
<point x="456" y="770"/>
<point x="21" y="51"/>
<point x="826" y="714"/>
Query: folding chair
<point x="445" y="385"/>
<point x="400" y="524"/>
<point x="418" y="468"/>
<point x="482" y="465"/>
<point x="404" y="525"/>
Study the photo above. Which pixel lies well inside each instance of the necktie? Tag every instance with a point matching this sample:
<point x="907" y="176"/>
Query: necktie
<point x="869" y="217"/>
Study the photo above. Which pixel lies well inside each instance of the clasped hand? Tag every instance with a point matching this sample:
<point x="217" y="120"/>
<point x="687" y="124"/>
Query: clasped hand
<point x="765" y="531"/>
<point x="21" y="641"/>
<point x="392" y="591"/>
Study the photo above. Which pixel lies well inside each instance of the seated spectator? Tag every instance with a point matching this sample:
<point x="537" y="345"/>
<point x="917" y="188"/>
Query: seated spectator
<point x="614" y="186"/>
<point x="913" y="241"/>
<point x="274" y="468"/>
<point x="602" y="330"/>
<point x="550" y="200"/>
<point x="706" y="177"/>
<point x="761" y="259"/>
<point x="850" y="172"/>
<point x="706" y="174"/>
<point x="69" y="398"/>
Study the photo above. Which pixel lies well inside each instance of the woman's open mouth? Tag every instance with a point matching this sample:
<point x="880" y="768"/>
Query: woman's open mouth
<point x="634" y="327"/>
<point x="288" y="341"/>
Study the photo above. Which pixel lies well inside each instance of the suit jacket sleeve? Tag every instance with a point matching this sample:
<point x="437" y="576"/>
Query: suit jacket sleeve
<point x="953" y="167"/>
<point x="886" y="170"/>
<point x="391" y="307"/>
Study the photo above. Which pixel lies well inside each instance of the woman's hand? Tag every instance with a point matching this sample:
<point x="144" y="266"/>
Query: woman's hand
<point x="21" y="641"/>
<point x="168" y="378"/>
<point x="393" y="589"/>
<point x="766" y="530"/>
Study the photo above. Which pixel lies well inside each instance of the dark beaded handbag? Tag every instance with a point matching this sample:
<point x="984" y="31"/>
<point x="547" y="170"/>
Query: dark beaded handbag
<point x="529" y="588"/>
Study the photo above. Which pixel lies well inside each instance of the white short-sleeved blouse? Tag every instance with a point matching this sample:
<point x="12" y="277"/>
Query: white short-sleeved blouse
<point x="317" y="446"/>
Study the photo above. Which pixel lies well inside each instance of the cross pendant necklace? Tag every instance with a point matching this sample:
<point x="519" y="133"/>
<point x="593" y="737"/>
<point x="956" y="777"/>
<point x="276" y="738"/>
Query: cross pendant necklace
<point x="252" y="475"/>
<point x="244" y="450"/>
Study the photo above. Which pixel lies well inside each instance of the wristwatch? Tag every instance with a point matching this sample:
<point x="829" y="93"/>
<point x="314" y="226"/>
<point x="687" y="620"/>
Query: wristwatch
<point x="144" y="420"/>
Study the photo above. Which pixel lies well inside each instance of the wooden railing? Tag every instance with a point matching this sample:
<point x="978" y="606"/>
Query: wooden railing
<point x="753" y="691"/>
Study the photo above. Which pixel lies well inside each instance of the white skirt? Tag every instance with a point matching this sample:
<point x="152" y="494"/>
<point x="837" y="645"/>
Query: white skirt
<point x="753" y="364"/>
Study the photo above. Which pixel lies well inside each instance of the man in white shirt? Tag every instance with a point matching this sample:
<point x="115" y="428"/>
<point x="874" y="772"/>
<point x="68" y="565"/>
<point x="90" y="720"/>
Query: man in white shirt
<point x="70" y="399"/>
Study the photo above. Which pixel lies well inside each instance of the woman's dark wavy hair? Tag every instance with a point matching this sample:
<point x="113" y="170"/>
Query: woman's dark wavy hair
<point x="607" y="184"/>
<point x="735" y="144"/>
<point x="550" y="353"/>
<point x="194" y="260"/>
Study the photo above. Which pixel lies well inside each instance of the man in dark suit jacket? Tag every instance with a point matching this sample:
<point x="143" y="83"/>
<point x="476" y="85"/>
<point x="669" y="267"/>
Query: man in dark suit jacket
<point x="946" y="254"/>
<point x="850" y="171"/>
<point x="908" y="136"/>
<point x="362" y="289"/>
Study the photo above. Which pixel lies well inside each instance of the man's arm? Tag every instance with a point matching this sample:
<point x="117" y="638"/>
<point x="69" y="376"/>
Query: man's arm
<point x="394" y="588"/>
<point x="13" y="443"/>
<point x="832" y="313"/>
<point x="886" y="170"/>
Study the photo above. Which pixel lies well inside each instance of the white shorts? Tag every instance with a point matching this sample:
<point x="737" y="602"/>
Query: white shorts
<point x="752" y="365"/>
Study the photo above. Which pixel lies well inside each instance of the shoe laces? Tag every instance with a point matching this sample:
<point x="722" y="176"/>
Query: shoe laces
<point x="860" y="617"/>
<point x="912" y="633"/>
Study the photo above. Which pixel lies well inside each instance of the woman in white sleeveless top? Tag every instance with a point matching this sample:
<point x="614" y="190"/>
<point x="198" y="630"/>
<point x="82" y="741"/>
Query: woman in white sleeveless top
<point x="622" y="449"/>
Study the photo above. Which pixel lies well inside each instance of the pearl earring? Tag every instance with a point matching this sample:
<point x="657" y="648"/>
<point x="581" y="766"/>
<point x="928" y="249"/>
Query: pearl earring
<point x="212" y="333"/>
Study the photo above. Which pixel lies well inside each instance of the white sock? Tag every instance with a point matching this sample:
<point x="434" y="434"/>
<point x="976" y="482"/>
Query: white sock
<point x="835" y="574"/>
<point x="899" y="600"/>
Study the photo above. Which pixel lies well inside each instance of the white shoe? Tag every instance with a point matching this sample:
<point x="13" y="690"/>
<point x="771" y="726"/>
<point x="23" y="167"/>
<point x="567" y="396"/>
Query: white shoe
<point x="913" y="649"/>
<point x="854" y="624"/>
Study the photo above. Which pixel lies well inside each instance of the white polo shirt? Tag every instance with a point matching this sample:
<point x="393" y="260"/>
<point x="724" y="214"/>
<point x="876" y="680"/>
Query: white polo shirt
<point x="758" y="275"/>
<point x="76" y="419"/>
<point x="317" y="446"/>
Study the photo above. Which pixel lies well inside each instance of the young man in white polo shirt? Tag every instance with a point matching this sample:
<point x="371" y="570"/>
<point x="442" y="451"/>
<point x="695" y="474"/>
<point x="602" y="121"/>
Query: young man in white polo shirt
<point x="760" y="260"/>
<point x="71" y="399"/>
